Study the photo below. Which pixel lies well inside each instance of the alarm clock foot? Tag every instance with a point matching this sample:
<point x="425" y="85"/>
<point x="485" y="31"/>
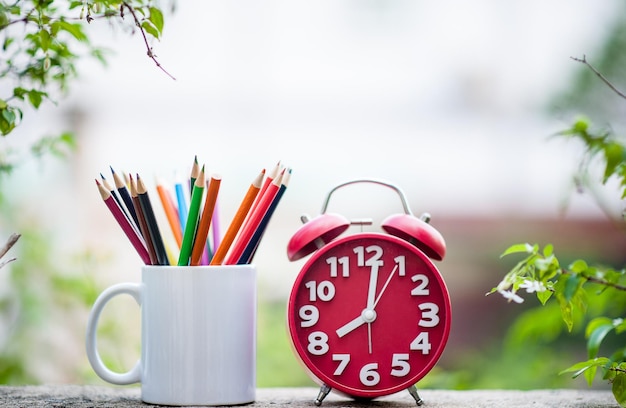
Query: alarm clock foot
<point x="413" y="391"/>
<point x="324" y="390"/>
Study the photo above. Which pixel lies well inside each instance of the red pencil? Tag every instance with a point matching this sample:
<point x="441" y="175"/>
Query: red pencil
<point x="254" y="219"/>
<point x="124" y="223"/>
<point x="235" y="224"/>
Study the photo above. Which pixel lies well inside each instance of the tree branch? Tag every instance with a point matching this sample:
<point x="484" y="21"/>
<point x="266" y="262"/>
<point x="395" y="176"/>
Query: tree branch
<point x="583" y="60"/>
<point x="145" y="39"/>
<point x="9" y="244"/>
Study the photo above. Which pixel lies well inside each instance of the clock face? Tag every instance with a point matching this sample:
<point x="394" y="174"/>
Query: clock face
<point x="369" y="315"/>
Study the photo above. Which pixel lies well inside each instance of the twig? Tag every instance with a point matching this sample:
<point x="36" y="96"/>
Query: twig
<point x="10" y="242"/>
<point x="145" y="39"/>
<point x="583" y="60"/>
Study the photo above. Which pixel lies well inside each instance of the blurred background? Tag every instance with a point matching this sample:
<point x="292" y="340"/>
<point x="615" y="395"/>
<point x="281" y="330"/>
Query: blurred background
<point x="453" y="101"/>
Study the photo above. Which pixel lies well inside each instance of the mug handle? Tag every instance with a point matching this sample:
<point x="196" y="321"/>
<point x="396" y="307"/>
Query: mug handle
<point x="129" y="377"/>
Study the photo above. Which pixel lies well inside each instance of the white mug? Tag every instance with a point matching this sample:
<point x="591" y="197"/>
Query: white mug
<point x="198" y="335"/>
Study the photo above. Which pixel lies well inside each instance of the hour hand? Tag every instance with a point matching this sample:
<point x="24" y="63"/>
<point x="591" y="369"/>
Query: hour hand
<point x="366" y="316"/>
<point x="351" y="325"/>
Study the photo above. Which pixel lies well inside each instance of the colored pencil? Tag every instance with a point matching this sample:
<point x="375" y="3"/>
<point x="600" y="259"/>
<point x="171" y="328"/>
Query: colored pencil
<point x="131" y="233"/>
<point x="115" y="195"/>
<point x="153" y="227"/>
<point x="195" y="170"/>
<point x="215" y="226"/>
<point x="143" y="224"/>
<point x="123" y="192"/>
<point x="170" y="212"/>
<point x="192" y="220"/>
<point x="183" y="208"/>
<point x="248" y="253"/>
<point x="254" y="219"/>
<point x="235" y="224"/>
<point x="199" y="244"/>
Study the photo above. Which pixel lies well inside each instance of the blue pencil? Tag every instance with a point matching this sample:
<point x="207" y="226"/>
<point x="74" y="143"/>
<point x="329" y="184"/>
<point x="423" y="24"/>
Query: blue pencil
<point x="183" y="208"/>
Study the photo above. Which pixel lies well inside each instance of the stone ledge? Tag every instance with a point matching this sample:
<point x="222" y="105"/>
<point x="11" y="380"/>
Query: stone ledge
<point x="103" y="396"/>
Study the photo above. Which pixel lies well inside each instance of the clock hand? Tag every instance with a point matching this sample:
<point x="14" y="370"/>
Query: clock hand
<point x="371" y="292"/>
<point x="384" y="286"/>
<point x="366" y="316"/>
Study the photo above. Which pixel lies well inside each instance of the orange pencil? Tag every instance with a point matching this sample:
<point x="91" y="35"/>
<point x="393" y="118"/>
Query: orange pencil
<point x="266" y="184"/>
<point x="202" y="232"/>
<point x="122" y="220"/>
<point x="238" y="219"/>
<point x="254" y="219"/>
<point x="170" y="212"/>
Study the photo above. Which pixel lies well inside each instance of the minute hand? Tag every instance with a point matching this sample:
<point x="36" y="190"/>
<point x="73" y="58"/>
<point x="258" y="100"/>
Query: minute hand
<point x="371" y="293"/>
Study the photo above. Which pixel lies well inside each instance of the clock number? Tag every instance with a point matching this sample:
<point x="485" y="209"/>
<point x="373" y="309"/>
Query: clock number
<point x="318" y="343"/>
<point x="309" y="315"/>
<point x="422" y="287"/>
<point x="421" y="343"/>
<point x="400" y="365"/>
<point x="343" y="359"/>
<point x="325" y="290"/>
<point x="400" y="261"/>
<point x="371" y="261"/>
<point x="368" y="375"/>
<point x="335" y="262"/>
<point x="430" y="318"/>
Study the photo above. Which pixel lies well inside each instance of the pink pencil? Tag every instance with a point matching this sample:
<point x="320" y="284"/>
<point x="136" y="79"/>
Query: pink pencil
<point x="123" y="222"/>
<point x="253" y="221"/>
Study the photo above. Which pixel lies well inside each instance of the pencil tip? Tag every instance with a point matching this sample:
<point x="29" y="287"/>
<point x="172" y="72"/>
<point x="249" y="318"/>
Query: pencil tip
<point x="97" y="182"/>
<point x="102" y="176"/>
<point x="195" y="159"/>
<point x="112" y="171"/>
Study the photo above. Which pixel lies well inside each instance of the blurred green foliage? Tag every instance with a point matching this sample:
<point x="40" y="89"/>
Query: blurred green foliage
<point x="585" y="298"/>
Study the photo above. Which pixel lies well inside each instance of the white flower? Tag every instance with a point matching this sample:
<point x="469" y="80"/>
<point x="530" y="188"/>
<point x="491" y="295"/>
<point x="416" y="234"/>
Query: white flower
<point x="533" y="286"/>
<point x="511" y="296"/>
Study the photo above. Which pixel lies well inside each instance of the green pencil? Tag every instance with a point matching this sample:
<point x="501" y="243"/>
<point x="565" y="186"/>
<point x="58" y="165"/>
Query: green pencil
<point x="192" y="220"/>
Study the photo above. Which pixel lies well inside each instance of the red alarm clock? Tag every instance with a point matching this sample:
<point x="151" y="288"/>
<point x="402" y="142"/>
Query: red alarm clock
<point x="369" y="313"/>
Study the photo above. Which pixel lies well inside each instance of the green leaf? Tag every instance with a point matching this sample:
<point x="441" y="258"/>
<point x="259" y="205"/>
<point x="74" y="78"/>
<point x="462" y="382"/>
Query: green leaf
<point x="619" y="389"/>
<point x="596" y="337"/>
<point x="579" y="266"/>
<point x="44" y="40"/>
<point x="614" y="156"/>
<point x="548" y="250"/>
<point x="150" y="28"/>
<point x="35" y="97"/>
<point x="582" y="366"/>
<point x="518" y="248"/>
<point x="75" y="30"/>
<point x="157" y="18"/>
<point x="544" y="296"/>
<point x="572" y="283"/>
<point x="595" y="323"/>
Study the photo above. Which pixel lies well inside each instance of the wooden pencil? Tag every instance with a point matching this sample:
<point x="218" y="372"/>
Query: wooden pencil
<point x="248" y="253"/>
<point x="131" y="233"/>
<point x="115" y="195"/>
<point x="266" y="183"/>
<point x="235" y="224"/>
<point x="195" y="170"/>
<point x="143" y="224"/>
<point x="124" y="194"/>
<point x="170" y="212"/>
<point x="192" y="220"/>
<point x="153" y="227"/>
<point x="254" y="219"/>
<point x="183" y="208"/>
<point x="199" y="244"/>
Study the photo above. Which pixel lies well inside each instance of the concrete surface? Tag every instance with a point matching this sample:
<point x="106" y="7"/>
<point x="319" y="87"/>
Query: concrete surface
<point x="103" y="396"/>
